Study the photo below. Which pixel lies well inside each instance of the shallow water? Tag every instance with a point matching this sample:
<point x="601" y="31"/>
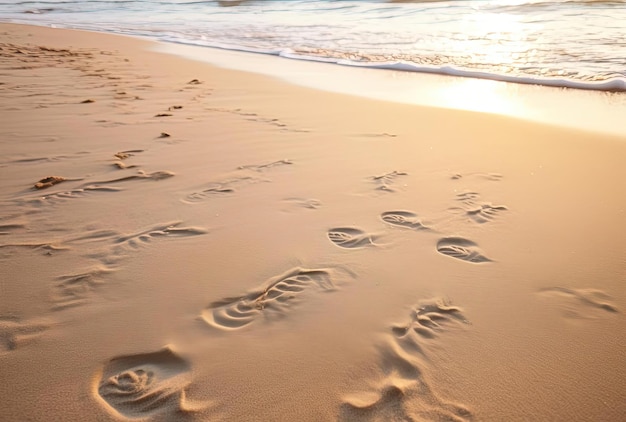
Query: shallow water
<point x="577" y="44"/>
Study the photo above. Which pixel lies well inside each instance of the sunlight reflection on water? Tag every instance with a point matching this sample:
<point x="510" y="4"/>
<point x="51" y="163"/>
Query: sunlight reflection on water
<point x="589" y="110"/>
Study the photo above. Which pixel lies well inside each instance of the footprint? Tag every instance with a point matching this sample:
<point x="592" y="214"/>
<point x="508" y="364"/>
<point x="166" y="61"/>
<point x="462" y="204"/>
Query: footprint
<point x="483" y="213"/>
<point x="254" y="117"/>
<point x="222" y="188"/>
<point x="404" y="393"/>
<point x="74" y="290"/>
<point x="309" y="203"/>
<point x="103" y="185"/>
<point x="9" y="249"/>
<point x="468" y="197"/>
<point x="271" y="301"/>
<point x="14" y="333"/>
<point x="57" y="197"/>
<point x="350" y="238"/>
<point x="216" y="189"/>
<point x="581" y="303"/>
<point x="377" y="135"/>
<point x="428" y="319"/>
<point x="385" y="182"/>
<point x="122" y="166"/>
<point x="122" y="155"/>
<point x="402" y="402"/>
<point x="157" y="175"/>
<point x="479" y="212"/>
<point x="63" y="244"/>
<point x="494" y="177"/>
<point x="404" y="219"/>
<point x="31" y="160"/>
<point x="162" y="230"/>
<point x="460" y="248"/>
<point x="263" y="167"/>
<point x="142" y="385"/>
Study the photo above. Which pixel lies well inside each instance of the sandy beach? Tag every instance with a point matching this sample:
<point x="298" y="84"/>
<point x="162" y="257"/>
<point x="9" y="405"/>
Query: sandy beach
<point x="182" y="242"/>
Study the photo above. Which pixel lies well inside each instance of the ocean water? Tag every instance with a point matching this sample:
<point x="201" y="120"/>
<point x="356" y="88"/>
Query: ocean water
<point x="568" y="43"/>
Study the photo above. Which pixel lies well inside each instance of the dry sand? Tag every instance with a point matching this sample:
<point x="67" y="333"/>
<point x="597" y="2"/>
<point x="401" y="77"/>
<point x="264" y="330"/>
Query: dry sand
<point x="219" y="245"/>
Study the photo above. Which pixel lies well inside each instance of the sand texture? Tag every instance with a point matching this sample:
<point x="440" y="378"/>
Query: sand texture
<point x="180" y="242"/>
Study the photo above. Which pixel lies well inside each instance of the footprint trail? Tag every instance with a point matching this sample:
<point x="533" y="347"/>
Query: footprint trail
<point x="351" y="237"/>
<point x="403" y="219"/>
<point x="463" y="249"/>
<point x="272" y="301"/>
<point x="404" y="393"/>
<point x="144" y="385"/>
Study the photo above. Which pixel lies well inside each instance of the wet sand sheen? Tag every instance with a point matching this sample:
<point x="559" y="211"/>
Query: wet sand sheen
<point x="207" y="244"/>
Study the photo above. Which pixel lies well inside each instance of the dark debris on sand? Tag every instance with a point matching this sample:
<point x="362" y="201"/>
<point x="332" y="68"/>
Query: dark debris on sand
<point x="46" y="182"/>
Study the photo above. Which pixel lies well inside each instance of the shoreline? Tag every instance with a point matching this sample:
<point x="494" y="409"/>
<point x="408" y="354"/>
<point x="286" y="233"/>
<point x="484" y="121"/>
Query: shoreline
<point x="236" y="245"/>
<point x="557" y="106"/>
<point x="582" y="109"/>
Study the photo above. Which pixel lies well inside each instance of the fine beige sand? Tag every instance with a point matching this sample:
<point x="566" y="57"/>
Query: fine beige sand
<point x="183" y="242"/>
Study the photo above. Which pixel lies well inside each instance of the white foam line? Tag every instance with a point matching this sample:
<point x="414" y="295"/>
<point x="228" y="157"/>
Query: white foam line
<point x="616" y="84"/>
<point x="589" y="109"/>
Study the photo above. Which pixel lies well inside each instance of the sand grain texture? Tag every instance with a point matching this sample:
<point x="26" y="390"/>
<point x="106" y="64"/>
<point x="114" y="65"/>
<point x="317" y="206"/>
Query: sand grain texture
<point x="225" y="246"/>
